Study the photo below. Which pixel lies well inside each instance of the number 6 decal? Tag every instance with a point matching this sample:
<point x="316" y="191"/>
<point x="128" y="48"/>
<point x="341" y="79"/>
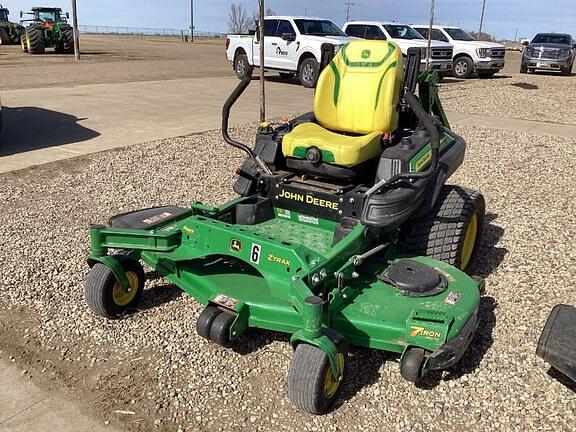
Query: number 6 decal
<point x="255" y="253"/>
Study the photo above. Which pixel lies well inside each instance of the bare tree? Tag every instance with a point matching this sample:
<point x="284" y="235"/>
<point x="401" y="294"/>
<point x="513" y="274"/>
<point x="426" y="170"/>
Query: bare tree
<point x="256" y="17"/>
<point x="238" y="21"/>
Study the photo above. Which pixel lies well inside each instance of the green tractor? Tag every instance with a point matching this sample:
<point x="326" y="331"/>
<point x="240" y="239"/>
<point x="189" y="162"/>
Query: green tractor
<point x="9" y="31"/>
<point x="48" y="28"/>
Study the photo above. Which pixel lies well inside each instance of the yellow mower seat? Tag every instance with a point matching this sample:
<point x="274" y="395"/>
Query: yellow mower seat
<point x="357" y="94"/>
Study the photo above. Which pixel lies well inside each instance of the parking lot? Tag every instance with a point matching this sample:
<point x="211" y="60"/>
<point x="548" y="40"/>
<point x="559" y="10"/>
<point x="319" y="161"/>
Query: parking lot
<point x="134" y="124"/>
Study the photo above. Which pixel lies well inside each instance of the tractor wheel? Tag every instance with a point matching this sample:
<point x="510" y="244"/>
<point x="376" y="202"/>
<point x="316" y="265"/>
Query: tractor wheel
<point x="103" y="293"/>
<point x="308" y="72"/>
<point x="463" y="67"/>
<point x="242" y="66"/>
<point x="205" y="321"/>
<point x="451" y="232"/>
<point x="23" y="44"/>
<point x="4" y="37"/>
<point x="411" y="364"/>
<point x="68" y="41"/>
<point x="311" y="385"/>
<point x="35" y="41"/>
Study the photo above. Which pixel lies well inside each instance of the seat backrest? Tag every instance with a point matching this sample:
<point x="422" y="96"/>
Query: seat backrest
<point x="359" y="90"/>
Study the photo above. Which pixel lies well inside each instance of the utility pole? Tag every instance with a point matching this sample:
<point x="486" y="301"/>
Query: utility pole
<point x="75" y="31"/>
<point x="348" y="3"/>
<point x="430" y="24"/>
<point x="261" y="38"/>
<point x="191" y="20"/>
<point x="481" y="20"/>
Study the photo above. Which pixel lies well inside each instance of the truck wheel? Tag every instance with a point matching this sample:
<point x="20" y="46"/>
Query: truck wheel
<point x="35" y="41"/>
<point x="567" y="71"/>
<point x="308" y="73"/>
<point x="241" y="66"/>
<point x="523" y="68"/>
<point x="4" y="38"/>
<point x="311" y="384"/>
<point x="68" y="41"/>
<point x="463" y="67"/>
<point x="451" y="232"/>
<point x="103" y="293"/>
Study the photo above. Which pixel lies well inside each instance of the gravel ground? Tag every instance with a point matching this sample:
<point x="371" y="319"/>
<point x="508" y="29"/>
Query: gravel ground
<point x="541" y="97"/>
<point x="153" y="365"/>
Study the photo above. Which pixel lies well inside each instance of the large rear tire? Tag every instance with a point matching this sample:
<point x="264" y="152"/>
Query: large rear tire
<point x="35" y="41"/>
<point x="451" y="232"/>
<point x="68" y="41"/>
<point x="4" y="37"/>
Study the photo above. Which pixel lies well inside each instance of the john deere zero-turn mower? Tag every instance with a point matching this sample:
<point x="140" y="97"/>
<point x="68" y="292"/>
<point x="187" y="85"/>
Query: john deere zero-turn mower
<point x="47" y="28"/>
<point x="344" y="232"/>
<point x="9" y="31"/>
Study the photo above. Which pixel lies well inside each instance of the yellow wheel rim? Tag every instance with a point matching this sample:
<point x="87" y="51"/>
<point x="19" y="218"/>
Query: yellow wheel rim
<point x="331" y="384"/>
<point x="469" y="241"/>
<point x="122" y="298"/>
<point x="28" y="42"/>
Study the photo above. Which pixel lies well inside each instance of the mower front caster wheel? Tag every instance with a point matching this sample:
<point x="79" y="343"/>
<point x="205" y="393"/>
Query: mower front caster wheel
<point x="214" y="324"/>
<point x="103" y="293"/>
<point x="412" y="363"/>
<point x="312" y="386"/>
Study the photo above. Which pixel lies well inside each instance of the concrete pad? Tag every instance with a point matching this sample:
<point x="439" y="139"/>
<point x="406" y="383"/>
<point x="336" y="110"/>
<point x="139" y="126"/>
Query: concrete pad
<point x="58" y="123"/>
<point x="24" y="407"/>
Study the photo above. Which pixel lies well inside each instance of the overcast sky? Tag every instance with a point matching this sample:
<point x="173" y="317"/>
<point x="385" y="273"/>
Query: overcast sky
<point x="501" y="19"/>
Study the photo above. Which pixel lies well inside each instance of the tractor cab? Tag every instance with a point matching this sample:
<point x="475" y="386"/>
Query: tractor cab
<point x="49" y="15"/>
<point x="4" y="14"/>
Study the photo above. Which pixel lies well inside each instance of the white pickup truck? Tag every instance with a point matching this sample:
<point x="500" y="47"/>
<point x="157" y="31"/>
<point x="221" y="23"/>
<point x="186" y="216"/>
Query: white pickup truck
<point x="405" y="37"/>
<point x="470" y="55"/>
<point x="291" y="47"/>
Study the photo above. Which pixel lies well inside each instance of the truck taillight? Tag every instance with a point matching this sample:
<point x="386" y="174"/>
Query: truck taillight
<point x="227" y="42"/>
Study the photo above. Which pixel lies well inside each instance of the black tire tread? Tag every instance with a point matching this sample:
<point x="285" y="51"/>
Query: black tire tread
<point x="37" y="43"/>
<point x="4" y="37"/>
<point x="411" y="364"/>
<point x="68" y="41"/>
<point x="305" y="380"/>
<point x="99" y="281"/>
<point x="437" y="235"/>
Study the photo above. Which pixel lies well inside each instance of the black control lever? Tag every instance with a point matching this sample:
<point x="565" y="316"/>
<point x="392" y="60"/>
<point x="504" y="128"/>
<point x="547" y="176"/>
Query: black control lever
<point x="430" y="125"/>
<point x="244" y="83"/>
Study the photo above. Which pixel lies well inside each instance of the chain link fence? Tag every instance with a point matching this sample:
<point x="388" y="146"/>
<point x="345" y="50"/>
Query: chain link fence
<point x="136" y="31"/>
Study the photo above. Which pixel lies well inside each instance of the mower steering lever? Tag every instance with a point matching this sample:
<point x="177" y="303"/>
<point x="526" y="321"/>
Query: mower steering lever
<point x="225" y="116"/>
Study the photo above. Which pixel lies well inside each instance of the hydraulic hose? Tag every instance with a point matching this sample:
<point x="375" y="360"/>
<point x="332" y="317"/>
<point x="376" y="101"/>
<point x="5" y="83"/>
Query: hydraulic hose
<point x="243" y="85"/>
<point x="428" y="122"/>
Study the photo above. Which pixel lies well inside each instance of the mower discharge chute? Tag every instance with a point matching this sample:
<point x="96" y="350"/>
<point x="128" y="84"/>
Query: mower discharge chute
<point x="47" y="28"/>
<point x="344" y="232"/>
